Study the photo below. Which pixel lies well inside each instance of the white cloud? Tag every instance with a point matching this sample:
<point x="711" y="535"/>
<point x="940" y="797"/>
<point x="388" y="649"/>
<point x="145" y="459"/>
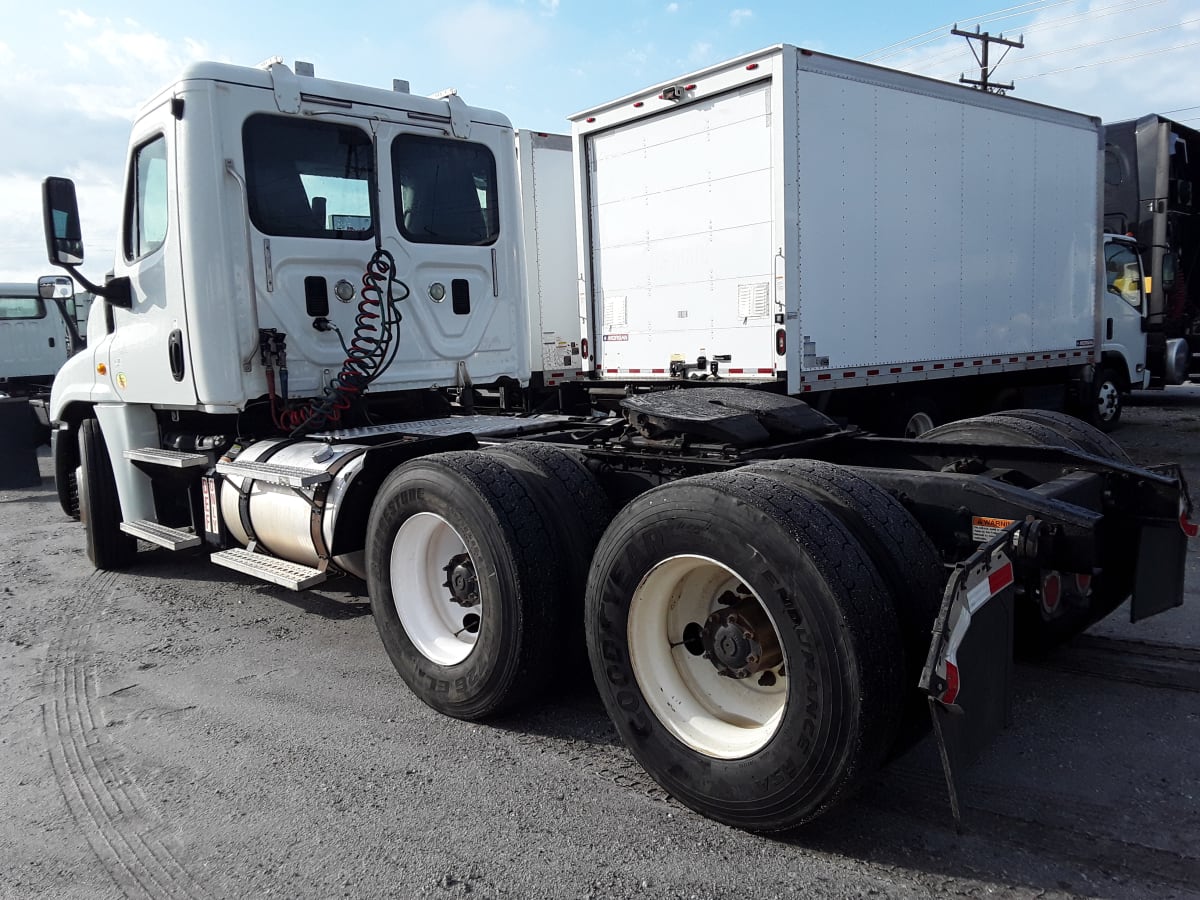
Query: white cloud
<point x="672" y="7"/>
<point x="738" y="16"/>
<point x="480" y="39"/>
<point x="1082" y="56"/>
<point x="549" y="7"/>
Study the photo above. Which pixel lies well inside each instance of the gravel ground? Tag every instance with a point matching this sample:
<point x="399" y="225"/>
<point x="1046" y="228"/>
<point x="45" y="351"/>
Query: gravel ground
<point x="181" y="731"/>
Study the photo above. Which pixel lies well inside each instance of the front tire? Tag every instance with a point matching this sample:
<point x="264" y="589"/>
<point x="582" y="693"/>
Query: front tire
<point x="99" y="506"/>
<point x="745" y="648"/>
<point x="1107" y="399"/>
<point x="64" y="448"/>
<point x="461" y="575"/>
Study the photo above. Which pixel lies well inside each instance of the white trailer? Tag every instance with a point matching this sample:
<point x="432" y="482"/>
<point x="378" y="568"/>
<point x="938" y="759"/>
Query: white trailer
<point x="548" y="209"/>
<point x="794" y="217"/>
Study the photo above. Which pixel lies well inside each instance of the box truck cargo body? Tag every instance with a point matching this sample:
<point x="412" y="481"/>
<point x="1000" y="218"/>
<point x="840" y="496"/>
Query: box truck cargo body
<point x="792" y="216"/>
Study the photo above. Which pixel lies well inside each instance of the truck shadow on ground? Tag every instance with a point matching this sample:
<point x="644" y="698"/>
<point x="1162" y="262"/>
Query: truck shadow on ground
<point x="346" y="598"/>
<point x="901" y="819"/>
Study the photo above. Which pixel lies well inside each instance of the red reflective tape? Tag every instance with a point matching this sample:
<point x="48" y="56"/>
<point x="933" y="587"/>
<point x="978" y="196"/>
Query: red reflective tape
<point x="849" y="374"/>
<point x="1001" y="578"/>
<point x="951" y="692"/>
<point x="896" y="370"/>
<point x="824" y="376"/>
<point x="658" y="371"/>
<point x="939" y="365"/>
<point x="959" y="364"/>
<point x="918" y="368"/>
<point x="996" y="362"/>
<point x="872" y="371"/>
<point x="737" y="371"/>
<point x="613" y="371"/>
<point x="766" y="371"/>
<point x="558" y="374"/>
<point x="978" y="362"/>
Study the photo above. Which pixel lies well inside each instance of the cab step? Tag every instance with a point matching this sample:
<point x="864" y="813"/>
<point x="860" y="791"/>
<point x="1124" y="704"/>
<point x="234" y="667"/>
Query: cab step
<point x="270" y="568"/>
<point x="273" y="473"/>
<point x="163" y="535"/>
<point x="173" y="459"/>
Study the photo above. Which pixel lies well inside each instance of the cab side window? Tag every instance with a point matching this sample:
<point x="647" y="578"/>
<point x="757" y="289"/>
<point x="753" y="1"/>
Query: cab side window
<point x="1123" y="274"/>
<point x="146" y="202"/>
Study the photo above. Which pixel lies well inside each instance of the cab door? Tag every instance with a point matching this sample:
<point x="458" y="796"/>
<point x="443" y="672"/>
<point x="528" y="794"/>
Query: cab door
<point x="148" y="358"/>
<point x="1124" y="308"/>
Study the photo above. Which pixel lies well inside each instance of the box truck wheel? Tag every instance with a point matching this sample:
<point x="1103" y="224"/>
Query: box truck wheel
<point x="575" y="511"/>
<point x="1088" y="438"/>
<point x="462" y="576"/>
<point x="744" y="646"/>
<point x="1107" y="399"/>
<point x="99" y="508"/>
<point x="903" y="553"/>
<point x="64" y="447"/>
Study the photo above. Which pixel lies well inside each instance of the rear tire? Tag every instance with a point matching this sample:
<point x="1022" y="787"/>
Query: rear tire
<point x="463" y="518"/>
<point x="1087" y="437"/>
<point x="575" y="510"/>
<point x="99" y="507"/>
<point x="64" y="448"/>
<point x="744" y="555"/>
<point x="903" y="553"/>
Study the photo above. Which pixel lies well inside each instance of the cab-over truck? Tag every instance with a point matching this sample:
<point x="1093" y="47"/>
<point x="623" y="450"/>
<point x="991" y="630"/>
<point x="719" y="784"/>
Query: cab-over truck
<point x="313" y="359"/>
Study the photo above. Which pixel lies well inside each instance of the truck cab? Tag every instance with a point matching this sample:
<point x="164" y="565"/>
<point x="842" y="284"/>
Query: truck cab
<point x="260" y="202"/>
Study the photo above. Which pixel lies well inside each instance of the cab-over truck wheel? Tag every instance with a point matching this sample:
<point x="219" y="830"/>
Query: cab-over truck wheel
<point x="64" y="448"/>
<point x="745" y="648"/>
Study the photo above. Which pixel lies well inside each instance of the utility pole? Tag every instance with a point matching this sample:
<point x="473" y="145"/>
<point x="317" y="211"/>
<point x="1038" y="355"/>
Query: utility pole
<point x="985" y="71"/>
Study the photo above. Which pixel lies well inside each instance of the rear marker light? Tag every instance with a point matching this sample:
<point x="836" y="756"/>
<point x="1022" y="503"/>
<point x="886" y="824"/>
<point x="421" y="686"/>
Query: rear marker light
<point x="780" y="342"/>
<point x="584" y="347"/>
<point x="689" y="87"/>
<point x="638" y="104"/>
<point x="590" y="119"/>
<point x="751" y="67"/>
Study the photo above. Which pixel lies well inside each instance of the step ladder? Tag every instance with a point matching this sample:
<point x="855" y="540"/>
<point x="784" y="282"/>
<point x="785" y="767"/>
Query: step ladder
<point x="250" y="561"/>
<point x="162" y="535"/>
<point x="278" y="571"/>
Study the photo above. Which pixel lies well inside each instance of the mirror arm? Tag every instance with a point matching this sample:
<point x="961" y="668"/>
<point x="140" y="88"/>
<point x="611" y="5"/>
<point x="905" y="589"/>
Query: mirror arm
<point x="117" y="291"/>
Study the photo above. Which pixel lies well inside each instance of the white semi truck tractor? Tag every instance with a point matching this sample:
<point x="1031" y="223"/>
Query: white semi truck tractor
<point x="314" y="359"/>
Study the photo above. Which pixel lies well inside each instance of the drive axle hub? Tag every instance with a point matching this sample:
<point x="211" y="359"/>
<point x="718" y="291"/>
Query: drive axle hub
<point x="461" y="580"/>
<point x="739" y="640"/>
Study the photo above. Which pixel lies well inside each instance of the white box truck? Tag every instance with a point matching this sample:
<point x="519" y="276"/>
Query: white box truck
<point x="315" y="281"/>
<point x="827" y="225"/>
<point x="34" y="340"/>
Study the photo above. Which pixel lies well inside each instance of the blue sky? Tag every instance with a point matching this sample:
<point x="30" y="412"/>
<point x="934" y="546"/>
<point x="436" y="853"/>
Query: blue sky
<point x="71" y="76"/>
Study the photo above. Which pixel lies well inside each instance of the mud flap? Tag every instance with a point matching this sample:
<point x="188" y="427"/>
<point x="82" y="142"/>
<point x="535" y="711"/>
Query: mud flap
<point x="969" y="671"/>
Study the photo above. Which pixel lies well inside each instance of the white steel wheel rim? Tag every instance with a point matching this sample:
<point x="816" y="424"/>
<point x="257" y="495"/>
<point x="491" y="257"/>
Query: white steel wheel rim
<point x="437" y="626"/>
<point x="713" y="714"/>
<point x="1107" y="398"/>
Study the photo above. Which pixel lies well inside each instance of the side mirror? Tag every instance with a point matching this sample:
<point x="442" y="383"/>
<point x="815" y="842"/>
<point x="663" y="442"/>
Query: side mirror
<point x="60" y="211"/>
<point x="1168" y="271"/>
<point x="55" y="287"/>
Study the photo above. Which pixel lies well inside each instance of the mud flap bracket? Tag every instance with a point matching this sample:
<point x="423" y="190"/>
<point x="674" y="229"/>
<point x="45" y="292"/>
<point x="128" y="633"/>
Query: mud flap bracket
<point x="969" y="671"/>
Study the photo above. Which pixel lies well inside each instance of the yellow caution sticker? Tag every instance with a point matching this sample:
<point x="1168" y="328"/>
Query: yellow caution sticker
<point x="984" y="528"/>
<point x="122" y="381"/>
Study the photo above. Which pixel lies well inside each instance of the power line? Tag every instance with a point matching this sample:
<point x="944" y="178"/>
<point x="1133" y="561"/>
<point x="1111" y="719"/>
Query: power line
<point x="987" y="17"/>
<point x="1100" y="13"/>
<point x="1122" y="37"/>
<point x="1115" y="59"/>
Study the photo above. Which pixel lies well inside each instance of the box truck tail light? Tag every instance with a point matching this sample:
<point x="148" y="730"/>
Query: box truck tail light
<point x="584" y="347"/>
<point x="751" y="67"/>
<point x="780" y="342"/>
<point x="591" y="119"/>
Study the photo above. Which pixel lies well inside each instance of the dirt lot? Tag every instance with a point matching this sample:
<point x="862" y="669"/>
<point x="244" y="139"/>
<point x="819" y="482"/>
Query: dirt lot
<point x="179" y="731"/>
